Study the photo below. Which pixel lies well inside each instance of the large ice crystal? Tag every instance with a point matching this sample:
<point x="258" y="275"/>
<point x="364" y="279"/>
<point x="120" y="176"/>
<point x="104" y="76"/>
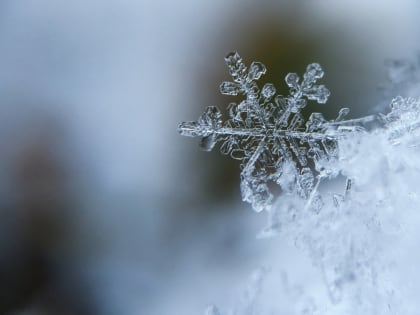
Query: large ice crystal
<point x="269" y="135"/>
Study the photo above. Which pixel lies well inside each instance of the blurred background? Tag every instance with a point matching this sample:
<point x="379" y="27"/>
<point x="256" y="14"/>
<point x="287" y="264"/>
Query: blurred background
<point x="105" y="209"/>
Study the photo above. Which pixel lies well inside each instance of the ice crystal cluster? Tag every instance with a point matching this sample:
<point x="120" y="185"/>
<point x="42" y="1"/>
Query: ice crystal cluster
<point x="361" y="239"/>
<point x="269" y="135"/>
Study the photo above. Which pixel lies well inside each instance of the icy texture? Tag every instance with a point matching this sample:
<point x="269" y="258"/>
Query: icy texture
<point x="363" y="243"/>
<point x="358" y="245"/>
<point x="363" y="240"/>
<point x="269" y="135"/>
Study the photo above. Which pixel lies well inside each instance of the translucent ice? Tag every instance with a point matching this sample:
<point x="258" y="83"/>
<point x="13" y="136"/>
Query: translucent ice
<point x="267" y="132"/>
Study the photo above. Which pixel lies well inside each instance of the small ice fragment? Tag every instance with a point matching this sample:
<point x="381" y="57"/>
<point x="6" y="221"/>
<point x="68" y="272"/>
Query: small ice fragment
<point x="342" y="113"/>
<point x="313" y="72"/>
<point x="237" y="68"/>
<point x="292" y="80"/>
<point x="230" y="88"/>
<point x="316" y="120"/>
<point x="256" y="70"/>
<point x="306" y="182"/>
<point x="268" y="90"/>
<point x="322" y="94"/>
<point x="208" y="143"/>
<point x="189" y="129"/>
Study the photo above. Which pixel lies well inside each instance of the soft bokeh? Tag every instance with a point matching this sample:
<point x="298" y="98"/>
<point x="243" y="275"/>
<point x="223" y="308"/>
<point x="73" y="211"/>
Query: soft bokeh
<point x="105" y="209"/>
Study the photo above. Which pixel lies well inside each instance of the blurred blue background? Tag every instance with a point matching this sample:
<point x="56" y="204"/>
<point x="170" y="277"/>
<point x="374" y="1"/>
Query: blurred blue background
<point x="105" y="209"/>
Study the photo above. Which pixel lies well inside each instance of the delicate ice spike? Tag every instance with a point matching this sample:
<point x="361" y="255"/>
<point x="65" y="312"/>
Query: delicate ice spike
<point x="306" y="182"/>
<point x="296" y="150"/>
<point x="342" y="113"/>
<point x="347" y="191"/>
<point x="268" y="90"/>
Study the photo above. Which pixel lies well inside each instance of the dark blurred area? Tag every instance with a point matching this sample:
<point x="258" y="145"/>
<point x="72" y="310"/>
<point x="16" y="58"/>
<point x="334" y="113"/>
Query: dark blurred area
<point x="35" y="226"/>
<point x="105" y="209"/>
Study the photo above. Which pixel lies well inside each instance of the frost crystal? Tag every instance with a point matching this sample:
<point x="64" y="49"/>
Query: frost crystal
<point x="270" y="136"/>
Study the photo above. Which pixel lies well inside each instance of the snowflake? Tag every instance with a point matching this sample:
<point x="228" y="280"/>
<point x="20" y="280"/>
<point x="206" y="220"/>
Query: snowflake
<point x="269" y="135"/>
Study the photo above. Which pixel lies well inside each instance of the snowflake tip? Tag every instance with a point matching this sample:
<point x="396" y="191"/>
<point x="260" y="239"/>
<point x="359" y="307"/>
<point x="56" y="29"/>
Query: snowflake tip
<point x="322" y="94"/>
<point x="205" y="126"/>
<point x="230" y="88"/>
<point x="256" y="70"/>
<point x="237" y="68"/>
<point x="342" y="113"/>
<point x="189" y="129"/>
<point x="268" y="90"/>
<point x="314" y="71"/>
<point x="292" y="80"/>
